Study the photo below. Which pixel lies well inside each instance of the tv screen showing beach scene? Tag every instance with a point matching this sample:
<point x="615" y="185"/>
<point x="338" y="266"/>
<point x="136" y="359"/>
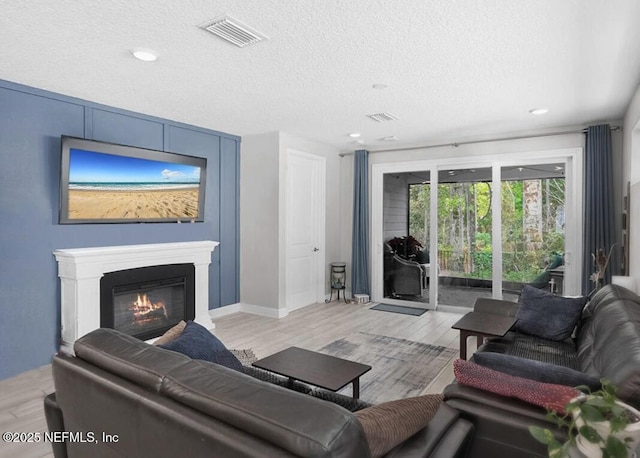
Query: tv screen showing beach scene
<point x="109" y="183"/>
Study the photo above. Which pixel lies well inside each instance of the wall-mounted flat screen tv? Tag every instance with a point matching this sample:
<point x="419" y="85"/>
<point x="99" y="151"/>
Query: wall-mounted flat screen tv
<point x="109" y="183"/>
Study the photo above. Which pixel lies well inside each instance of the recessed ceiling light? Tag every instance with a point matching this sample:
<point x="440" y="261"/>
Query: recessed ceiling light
<point x="539" y="111"/>
<point x="354" y="134"/>
<point x="380" y="86"/>
<point x="146" y="55"/>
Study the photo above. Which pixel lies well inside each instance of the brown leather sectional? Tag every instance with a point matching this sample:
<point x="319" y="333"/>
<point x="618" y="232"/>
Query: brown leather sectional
<point x="159" y="403"/>
<point x="607" y="345"/>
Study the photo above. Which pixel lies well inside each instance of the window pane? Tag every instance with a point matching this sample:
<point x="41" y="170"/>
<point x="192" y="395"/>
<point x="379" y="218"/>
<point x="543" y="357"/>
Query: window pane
<point x="533" y="209"/>
<point x="464" y="236"/>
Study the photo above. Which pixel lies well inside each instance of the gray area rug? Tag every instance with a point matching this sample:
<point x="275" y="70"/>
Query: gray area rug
<point x="399" y="309"/>
<point x="400" y="368"/>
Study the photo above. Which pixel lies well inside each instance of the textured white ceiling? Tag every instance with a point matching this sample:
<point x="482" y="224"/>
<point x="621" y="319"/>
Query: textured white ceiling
<point x="455" y="68"/>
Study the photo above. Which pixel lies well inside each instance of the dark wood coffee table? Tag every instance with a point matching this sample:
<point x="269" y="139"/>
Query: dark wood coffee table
<point x="315" y="368"/>
<point x="481" y="325"/>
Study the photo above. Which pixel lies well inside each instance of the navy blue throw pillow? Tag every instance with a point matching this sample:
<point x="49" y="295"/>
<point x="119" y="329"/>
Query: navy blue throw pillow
<point x="198" y="343"/>
<point x="535" y="370"/>
<point x="546" y="315"/>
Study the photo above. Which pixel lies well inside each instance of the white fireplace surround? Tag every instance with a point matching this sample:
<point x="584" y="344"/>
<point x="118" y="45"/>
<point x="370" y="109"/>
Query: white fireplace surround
<point x="80" y="271"/>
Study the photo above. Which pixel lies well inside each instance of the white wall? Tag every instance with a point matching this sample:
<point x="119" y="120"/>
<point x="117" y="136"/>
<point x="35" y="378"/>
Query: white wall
<point x="263" y="215"/>
<point x="259" y="222"/>
<point x="631" y="173"/>
<point x="262" y="195"/>
<point x="396" y="208"/>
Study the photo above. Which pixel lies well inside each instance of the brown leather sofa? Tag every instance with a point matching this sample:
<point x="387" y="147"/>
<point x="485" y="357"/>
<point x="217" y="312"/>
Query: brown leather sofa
<point x="607" y="345"/>
<point x="159" y="403"/>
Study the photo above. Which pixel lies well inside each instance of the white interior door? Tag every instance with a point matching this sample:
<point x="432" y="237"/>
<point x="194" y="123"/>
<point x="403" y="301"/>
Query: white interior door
<point x="305" y="216"/>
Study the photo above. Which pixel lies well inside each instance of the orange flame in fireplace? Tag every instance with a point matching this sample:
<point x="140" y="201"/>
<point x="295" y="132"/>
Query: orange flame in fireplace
<point x="145" y="310"/>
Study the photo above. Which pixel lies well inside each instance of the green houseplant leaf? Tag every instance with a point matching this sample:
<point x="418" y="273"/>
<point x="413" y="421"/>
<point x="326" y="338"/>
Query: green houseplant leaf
<point x="614" y="448"/>
<point x="597" y="417"/>
<point x="542" y="435"/>
<point x="591" y="413"/>
<point x="590" y="434"/>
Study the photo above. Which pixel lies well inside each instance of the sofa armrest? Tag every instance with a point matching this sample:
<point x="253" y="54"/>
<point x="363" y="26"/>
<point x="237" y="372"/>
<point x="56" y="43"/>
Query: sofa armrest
<point x="501" y="424"/>
<point x="495" y="306"/>
<point x="55" y="422"/>
<point x="446" y="436"/>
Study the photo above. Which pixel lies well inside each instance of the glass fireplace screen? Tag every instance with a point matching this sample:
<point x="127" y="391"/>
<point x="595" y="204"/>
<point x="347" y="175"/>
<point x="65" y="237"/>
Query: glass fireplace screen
<point x="145" y="302"/>
<point x="150" y="307"/>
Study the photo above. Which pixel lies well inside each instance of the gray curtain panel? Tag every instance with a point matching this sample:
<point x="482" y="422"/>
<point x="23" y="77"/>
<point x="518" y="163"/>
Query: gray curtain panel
<point x="599" y="215"/>
<point x="360" y="236"/>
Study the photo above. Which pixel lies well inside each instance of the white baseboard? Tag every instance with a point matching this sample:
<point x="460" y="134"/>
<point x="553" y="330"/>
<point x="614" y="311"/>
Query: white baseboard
<point x="247" y="308"/>
<point x="252" y="308"/>
<point x="265" y="311"/>
<point x="226" y="310"/>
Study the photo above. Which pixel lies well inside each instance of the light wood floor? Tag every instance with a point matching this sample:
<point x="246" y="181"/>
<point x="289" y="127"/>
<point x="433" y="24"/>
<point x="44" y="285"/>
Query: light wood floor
<point x="311" y="327"/>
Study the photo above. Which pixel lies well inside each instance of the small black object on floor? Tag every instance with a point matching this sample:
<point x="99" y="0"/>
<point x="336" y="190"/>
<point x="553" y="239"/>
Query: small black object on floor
<point x="399" y="309"/>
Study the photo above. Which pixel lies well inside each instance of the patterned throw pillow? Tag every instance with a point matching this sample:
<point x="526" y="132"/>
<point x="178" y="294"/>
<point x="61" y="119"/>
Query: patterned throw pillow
<point x="246" y="357"/>
<point x="198" y="343"/>
<point x="391" y="423"/>
<point x="547" y="395"/>
<point x="546" y="315"/>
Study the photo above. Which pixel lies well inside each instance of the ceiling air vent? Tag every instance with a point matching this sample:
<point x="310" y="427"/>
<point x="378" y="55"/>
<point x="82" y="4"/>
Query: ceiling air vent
<point x="383" y="117"/>
<point x="234" y="31"/>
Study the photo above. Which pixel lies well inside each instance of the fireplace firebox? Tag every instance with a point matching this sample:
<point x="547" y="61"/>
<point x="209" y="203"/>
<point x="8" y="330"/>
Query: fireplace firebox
<point x="147" y="301"/>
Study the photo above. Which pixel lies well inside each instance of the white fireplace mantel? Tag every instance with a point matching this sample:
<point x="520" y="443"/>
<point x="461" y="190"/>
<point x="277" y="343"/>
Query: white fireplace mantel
<point x="80" y="271"/>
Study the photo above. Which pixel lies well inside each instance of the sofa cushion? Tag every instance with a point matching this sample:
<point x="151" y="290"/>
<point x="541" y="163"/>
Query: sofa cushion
<point x="546" y="315"/>
<point x="563" y="353"/>
<point x="127" y="357"/>
<point x="197" y="342"/>
<point x="391" y="423"/>
<point x="297" y="423"/>
<point x="547" y="395"/>
<point x="535" y="370"/>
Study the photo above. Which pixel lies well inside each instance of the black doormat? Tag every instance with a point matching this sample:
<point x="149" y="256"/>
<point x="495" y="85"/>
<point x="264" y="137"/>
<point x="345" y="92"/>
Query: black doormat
<point x="399" y="309"/>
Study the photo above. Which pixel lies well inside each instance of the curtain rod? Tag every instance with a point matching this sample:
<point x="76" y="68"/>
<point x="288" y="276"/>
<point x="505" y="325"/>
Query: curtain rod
<point x="456" y="144"/>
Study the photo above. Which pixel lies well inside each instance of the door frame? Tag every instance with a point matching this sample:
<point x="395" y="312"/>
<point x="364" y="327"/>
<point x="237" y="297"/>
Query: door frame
<point x="320" y="214"/>
<point x="573" y="159"/>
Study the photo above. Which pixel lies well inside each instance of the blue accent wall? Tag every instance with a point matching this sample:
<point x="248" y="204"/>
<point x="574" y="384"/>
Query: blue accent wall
<point x="31" y="123"/>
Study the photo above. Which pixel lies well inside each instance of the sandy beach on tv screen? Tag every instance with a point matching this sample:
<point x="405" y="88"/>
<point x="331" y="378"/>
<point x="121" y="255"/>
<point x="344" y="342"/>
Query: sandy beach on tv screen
<point x="95" y="204"/>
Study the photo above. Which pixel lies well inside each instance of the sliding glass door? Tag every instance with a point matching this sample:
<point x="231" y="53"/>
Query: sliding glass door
<point x="533" y="207"/>
<point x="448" y="234"/>
<point x="406" y="236"/>
<point x="464" y="227"/>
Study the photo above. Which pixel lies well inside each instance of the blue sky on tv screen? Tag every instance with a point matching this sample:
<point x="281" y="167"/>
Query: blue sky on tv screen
<point x="94" y="167"/>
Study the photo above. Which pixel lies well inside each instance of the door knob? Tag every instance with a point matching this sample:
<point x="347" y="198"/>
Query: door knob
<point x="316" y="249"/>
